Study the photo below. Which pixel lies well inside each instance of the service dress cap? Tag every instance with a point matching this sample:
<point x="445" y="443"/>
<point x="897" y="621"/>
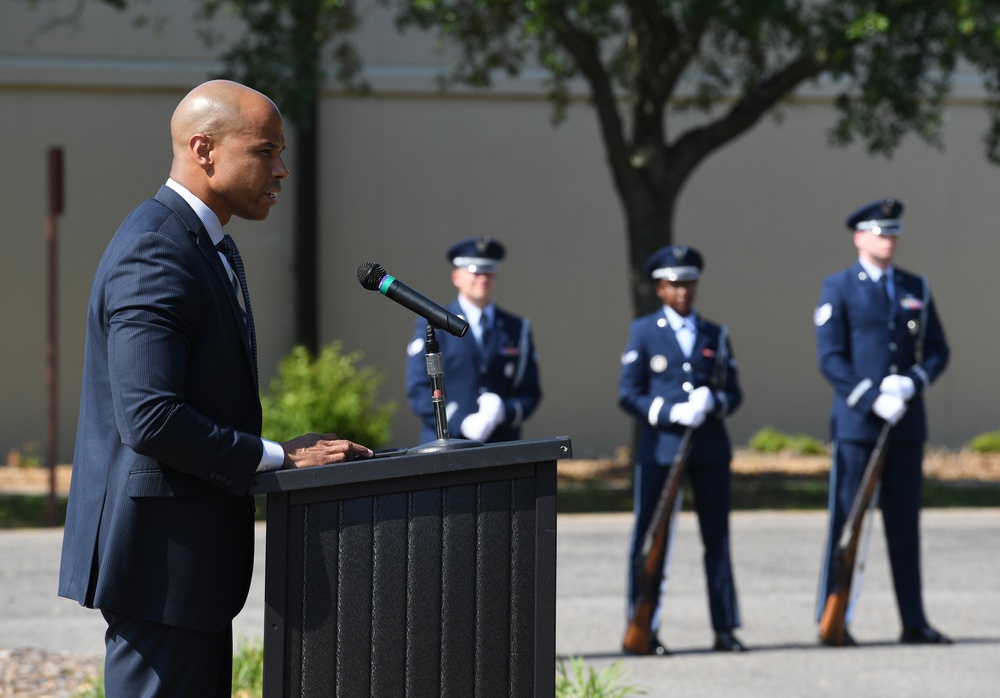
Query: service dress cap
<point x="674" y="263"/>
<point x="480" y="255"/>
<point x="880" y="217"/>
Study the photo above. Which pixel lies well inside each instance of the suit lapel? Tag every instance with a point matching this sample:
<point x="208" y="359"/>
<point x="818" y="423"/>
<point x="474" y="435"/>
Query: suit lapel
<point x="203" y="241"/>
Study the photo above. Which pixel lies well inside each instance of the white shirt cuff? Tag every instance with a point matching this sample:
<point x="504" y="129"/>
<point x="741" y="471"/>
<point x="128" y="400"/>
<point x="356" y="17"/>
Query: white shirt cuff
<point x="272" y="458"/>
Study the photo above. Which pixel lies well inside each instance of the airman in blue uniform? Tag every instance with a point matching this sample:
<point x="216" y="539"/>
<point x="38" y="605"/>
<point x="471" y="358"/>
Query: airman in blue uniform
<point x="880" y="345"/>
<point x="491" y="380"/>
<point x="677" y="372"/>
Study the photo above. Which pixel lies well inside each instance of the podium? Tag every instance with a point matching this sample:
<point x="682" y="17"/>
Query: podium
<point x="424" y="574"/>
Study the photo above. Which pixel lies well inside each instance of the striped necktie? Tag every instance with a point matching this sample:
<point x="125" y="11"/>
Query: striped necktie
<point x="228" y="248"/>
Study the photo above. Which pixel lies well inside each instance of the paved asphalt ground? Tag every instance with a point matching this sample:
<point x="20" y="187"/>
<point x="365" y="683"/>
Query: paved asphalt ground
<point x="776" y="557"/>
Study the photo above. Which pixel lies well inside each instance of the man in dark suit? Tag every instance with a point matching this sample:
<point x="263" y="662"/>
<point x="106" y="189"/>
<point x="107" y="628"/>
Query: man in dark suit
<point x="678" y="372"/>
<point x="880" y="345"/>
<point x="491" y="374"/>
<point x="159" y="529"/>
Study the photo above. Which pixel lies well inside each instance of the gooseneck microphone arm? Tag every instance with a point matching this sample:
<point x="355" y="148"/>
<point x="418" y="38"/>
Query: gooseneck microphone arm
<point x="374" y="278"/>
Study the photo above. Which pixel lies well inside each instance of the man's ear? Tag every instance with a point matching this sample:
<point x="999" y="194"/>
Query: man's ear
<point x="202" y="147"/>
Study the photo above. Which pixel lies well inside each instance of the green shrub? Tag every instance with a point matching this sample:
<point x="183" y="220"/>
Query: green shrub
<point x="580" y="681"/>
<point x="770" y="440"/>
<point x="805" y="445"/>
<point x="986" y="443"/>
<point x="328" y="393"/>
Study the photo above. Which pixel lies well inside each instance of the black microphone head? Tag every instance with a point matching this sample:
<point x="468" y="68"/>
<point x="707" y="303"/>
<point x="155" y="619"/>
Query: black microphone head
<point x="370" y="275"/>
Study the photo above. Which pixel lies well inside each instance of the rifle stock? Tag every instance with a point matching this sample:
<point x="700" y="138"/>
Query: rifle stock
<point x="654" y="550"/>
<point x="833" y="621"/>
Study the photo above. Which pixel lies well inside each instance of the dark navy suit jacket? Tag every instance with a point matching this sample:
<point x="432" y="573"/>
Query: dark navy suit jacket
<point x="160" y="524"/>
<point x="860" y="340"/>
<point x="507" y="367"/>
<point x="654" y="368"/>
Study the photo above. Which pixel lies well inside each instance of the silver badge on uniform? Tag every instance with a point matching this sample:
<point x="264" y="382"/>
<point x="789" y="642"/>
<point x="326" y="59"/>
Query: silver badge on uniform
<point x="822" y="314"/>
<point x="508" y="370"/>
<point x="658" y="364"/>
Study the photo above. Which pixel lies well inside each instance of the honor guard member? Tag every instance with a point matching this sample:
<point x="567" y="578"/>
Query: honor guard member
<point x="678" y="371"/>
<point x="880" y="345"/>
<point x="491" y="381"/>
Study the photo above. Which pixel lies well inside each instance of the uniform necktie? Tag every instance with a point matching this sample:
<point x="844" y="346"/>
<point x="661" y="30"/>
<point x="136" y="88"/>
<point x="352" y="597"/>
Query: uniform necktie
<point x="685" y="336"/>
<point x="228" y="248"/>
<point x="485" y="331"/>
<point x="883" y="285"/>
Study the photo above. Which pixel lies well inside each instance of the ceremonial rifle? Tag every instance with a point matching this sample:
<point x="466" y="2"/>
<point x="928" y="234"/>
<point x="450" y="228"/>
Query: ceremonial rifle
<point x="833" y="623"/>
<point x="654" y="549"/>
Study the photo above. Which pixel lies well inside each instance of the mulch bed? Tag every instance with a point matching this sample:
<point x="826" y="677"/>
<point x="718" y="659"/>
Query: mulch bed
<point x="948" y="466"/>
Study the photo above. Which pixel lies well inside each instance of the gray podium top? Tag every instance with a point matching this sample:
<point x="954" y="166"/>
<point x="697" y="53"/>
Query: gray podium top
<point x="403" y="464"/>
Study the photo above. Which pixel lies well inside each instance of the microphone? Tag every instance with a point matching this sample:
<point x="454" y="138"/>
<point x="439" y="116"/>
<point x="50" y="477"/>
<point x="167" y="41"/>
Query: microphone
<point x="373" y="277"/>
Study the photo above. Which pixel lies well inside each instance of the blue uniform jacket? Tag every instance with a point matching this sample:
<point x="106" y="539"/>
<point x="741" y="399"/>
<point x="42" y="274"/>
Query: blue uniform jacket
<point x="655" y="373"/>
<point x="508" y="367"/>
<point x="860" y="341"/>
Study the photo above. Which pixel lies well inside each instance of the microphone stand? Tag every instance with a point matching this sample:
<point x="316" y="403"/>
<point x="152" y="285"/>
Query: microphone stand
<point x="435" y="371"/>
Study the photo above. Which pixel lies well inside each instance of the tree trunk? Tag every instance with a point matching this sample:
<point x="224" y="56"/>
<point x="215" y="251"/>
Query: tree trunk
<point x="306" y="242"/>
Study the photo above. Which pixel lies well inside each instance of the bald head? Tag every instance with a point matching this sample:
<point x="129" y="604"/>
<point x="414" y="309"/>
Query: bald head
<point x="217" y="131"/>
<point x="216" y="108"/>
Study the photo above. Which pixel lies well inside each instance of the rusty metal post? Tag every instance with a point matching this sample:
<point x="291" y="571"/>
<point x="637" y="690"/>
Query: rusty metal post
<point x="55" y="208"/>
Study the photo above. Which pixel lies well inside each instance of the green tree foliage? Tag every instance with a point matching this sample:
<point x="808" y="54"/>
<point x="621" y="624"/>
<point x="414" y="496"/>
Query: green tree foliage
<point x="731" y="61"/>
<point x="327" y="393"/>
<point x="286" y="48"/>
<point x="891" y="62"/>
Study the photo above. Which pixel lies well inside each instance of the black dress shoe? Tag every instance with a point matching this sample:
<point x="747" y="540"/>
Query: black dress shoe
<point x="923" y="636"/>
<point x="846" y="641"/>
<point x="725" y="641"/>
<point x="656" y="648"/>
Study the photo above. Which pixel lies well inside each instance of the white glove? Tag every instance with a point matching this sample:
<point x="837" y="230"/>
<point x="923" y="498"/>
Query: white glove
<point x="476" y="427"/>
<point x="891" y="408"/>
<point x="898" y="386"/>
<point x="479" y="426"/>
<point x="687" y="415"/>
<point x="491" y="406"/>
<point x="702" y="398"/>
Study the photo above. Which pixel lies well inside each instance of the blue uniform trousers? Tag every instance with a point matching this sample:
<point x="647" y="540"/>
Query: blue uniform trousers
<point x="711" y="487"/>
<point x="899" y="500"/>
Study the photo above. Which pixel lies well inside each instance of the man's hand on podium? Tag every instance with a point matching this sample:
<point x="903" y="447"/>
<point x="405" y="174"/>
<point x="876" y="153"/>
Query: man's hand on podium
<point x="321" y="449"/>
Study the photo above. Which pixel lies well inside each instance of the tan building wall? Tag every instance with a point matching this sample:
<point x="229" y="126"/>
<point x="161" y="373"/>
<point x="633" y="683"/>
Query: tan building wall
<point x="408" y="171"/>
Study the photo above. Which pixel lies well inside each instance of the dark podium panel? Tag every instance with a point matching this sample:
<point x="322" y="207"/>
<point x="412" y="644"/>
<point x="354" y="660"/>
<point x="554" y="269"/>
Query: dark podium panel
<point x="414" y="575"/>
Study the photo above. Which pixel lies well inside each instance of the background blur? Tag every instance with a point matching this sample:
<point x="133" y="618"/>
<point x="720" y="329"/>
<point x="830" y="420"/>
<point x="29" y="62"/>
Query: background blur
<point x="408" y="170"/>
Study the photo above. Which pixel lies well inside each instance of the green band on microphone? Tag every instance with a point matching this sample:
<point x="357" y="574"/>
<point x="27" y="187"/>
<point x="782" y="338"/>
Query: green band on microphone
<point x="386" y="282"/>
